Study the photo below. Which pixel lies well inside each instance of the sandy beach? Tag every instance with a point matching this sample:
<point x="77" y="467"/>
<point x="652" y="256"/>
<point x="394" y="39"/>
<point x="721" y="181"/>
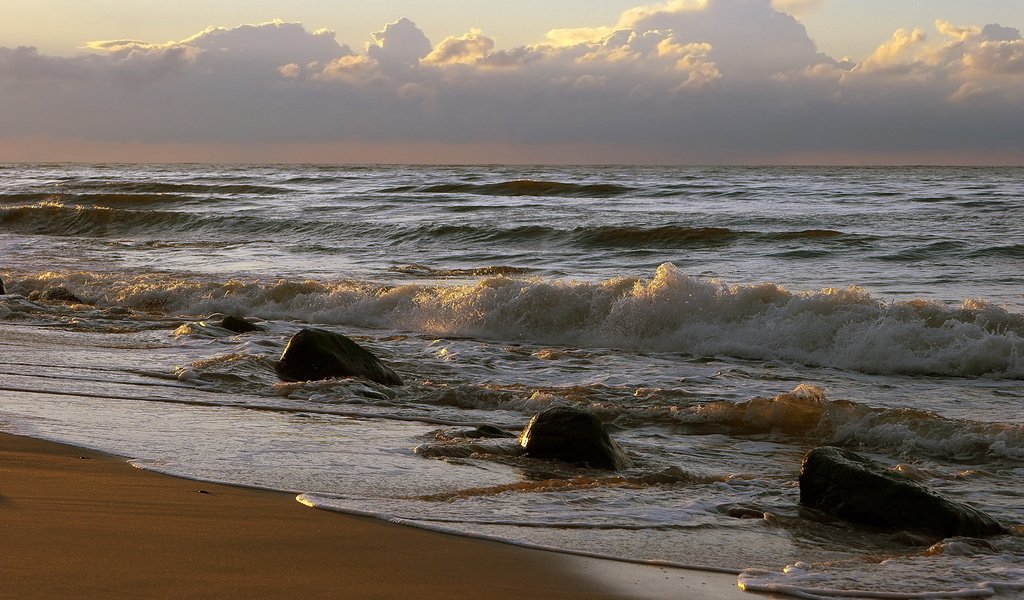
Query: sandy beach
<point x="80" y="524"/>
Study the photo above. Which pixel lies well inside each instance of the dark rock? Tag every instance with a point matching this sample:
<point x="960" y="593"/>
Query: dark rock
<point x="2" y="290"/>
<point x="574" y="436"/>
<point x="480" y="432"/>
<point x="847" y="485"/>
<point x="314" y="354"/>
<point x="57" y="294"/>
<point x="485" y="432"/>
<point x="492" y="431"/>
<point x="239" y="325"/>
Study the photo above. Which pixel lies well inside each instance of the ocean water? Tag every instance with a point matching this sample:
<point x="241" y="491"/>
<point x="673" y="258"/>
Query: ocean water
<point x="721" y="321"/>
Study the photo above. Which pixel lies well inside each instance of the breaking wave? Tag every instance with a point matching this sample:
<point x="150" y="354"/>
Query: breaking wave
<point x="670" y="312"/>
<point x="806" y="412"/>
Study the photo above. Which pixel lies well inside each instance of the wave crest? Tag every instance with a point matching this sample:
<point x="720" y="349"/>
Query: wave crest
<point x="670" y="312"/>
<point x="806" y="411"/>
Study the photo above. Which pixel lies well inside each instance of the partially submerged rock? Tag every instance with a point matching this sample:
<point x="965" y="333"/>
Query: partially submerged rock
<point x="849" y="486"/>
<point x="239" y="324"/>
<point x="574" y="436"/>
<point x="490" y="431"/>
<point x="314" y="354"/>
<point x="57" y="294"/>
<point x="486" y="431"/>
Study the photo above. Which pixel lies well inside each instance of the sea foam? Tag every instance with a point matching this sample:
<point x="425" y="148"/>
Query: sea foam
<point x="807" y="412"/>
<point x="670" y="312"/>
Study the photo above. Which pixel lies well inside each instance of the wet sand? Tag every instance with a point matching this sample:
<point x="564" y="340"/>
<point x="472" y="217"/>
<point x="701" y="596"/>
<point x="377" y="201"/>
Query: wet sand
<point x="80" y="524"/>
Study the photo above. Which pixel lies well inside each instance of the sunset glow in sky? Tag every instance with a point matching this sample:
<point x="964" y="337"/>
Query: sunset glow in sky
<point x="684" y="81"/>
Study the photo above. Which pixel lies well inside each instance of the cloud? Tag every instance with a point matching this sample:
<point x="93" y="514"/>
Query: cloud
<point x="997" y="33"/>
<point x="749" y="38"/>
<point x="631" y="17"/>
<point x="967" y="54"/>
<point x="25" y="65"/>
<point x="579" y="35"/>
<point x="687" y="80"/>
<point x="889" y="57"/>
<point x="470" y="48"/>
<point x="270" y="43"/>
<point x="797" y="7"/>
<point x="400" y="45"/>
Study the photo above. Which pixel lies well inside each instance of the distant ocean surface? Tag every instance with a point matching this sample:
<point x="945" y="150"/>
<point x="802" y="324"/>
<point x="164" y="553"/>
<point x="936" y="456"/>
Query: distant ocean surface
<point x="721" y="321"/>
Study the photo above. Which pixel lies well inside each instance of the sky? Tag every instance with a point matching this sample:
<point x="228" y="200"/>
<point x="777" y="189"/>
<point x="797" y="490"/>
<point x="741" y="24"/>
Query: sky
<point x="572" y="81"/>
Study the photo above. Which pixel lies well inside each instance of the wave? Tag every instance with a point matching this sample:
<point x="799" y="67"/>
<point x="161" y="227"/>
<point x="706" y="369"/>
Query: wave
<point x="23" y="197"/>
<point x="134" y="193"/>
<point x="670" y="312"/>
<point x="521" y="187"/>
<point x="56" y="218"/>
<point x="426" y="271"/>
<point x="163" y="187"/>
<point x="968" y="571"/>
<point x="99" y="199"/>
<point x="475" y="234"/>
<point x="113" y="216"/>
<point x="807" y="412"/>
<point x="668" y="236"/>
<point x="930" y="251"/>
<point x="678" y="236"/>
<point x="1011" y="251"/>
<point x="808" y="234"/>
<point x="622" y="236"/>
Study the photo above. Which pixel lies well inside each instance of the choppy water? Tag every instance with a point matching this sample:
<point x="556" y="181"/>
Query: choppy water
<point x="722" y="321"/>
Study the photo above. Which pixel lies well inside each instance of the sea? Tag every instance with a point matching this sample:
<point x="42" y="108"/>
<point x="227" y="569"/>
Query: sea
<point x="720" y="321"/>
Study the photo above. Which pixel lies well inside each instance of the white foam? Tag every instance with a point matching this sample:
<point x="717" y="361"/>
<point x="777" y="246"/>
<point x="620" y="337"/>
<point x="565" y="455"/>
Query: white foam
<point x="904" y="578"/>
<point x="671" y="312"/>
<point x="806" y="411"/>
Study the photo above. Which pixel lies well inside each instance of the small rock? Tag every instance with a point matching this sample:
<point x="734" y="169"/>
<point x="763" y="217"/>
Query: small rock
<point x="574" y="436"/>
<point x="493" y="431"/>
<point x="315" y="354"/>
<point x="484" y="432"/>
<point x="57" y="294"/>
<point x="239" y="325"/>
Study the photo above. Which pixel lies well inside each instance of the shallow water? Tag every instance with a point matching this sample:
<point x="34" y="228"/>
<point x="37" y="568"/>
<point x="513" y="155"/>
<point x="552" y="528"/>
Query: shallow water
<point x="721" y="321"/>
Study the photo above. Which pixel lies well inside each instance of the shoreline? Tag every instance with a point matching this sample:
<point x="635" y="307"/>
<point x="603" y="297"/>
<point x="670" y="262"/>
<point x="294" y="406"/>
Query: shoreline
<point x="80" y="523"/>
